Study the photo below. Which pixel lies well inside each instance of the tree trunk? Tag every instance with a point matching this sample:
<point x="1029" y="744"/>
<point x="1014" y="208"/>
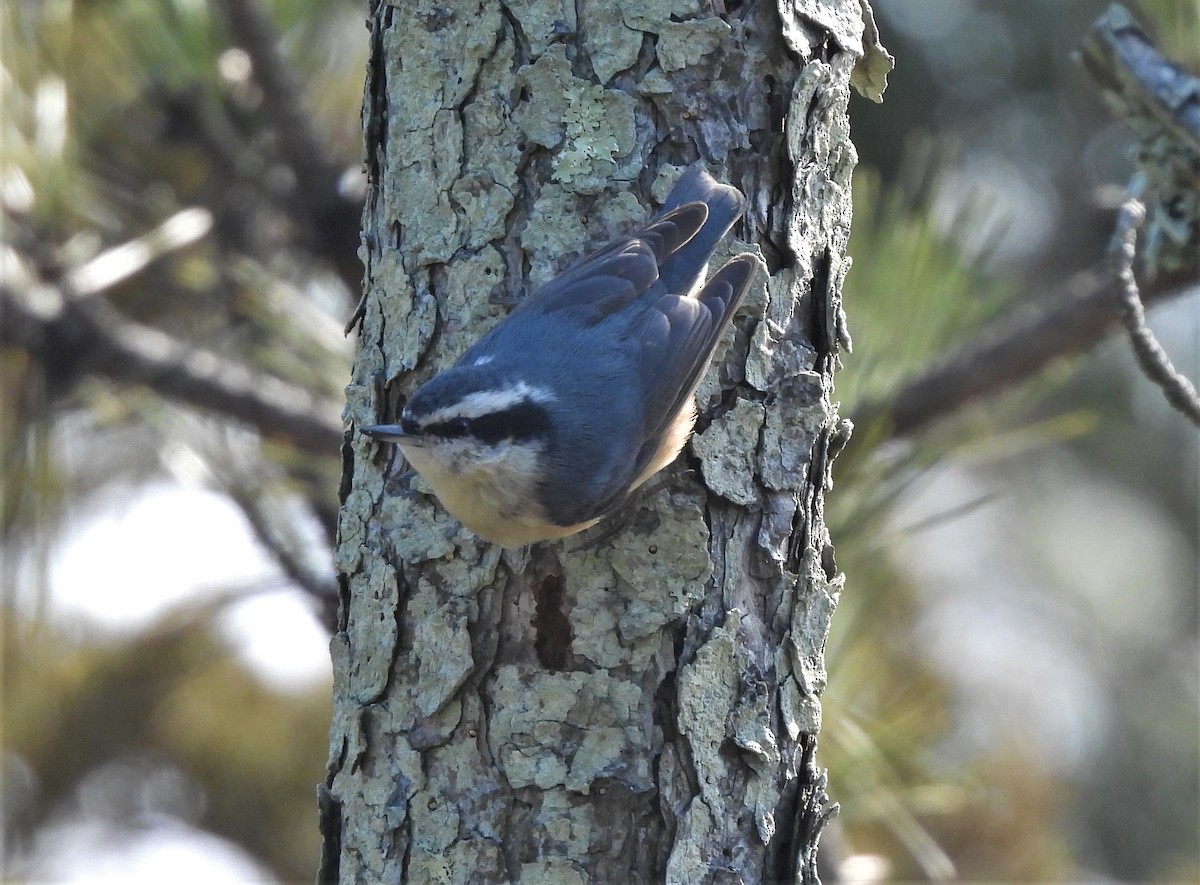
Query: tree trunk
<point x="644" y="707"/>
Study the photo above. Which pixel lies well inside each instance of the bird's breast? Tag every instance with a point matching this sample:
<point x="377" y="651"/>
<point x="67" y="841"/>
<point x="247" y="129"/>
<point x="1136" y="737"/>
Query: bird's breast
<point x="497" y="500"/>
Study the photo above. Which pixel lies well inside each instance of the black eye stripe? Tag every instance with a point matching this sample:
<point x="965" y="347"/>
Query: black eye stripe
<point x="497" y="426"/>
<point x="453" y="429"/>
<point x="524" y="421"/>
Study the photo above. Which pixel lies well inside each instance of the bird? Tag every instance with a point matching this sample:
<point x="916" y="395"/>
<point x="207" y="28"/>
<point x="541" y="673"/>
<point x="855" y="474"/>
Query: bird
<point x="586" y="389"/>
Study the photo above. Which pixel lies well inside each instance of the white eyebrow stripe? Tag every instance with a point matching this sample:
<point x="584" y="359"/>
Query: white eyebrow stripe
<point x="487" y="402"/>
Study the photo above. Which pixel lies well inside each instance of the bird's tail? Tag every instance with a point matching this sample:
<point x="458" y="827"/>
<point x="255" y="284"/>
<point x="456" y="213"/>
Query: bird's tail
<point x="725" y="203"/>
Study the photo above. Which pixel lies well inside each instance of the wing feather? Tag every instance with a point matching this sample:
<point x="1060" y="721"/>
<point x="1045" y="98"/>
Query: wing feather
<point x="674" y="342"/>
<point x="635" y="258"/>
<point x="680" y="335"/>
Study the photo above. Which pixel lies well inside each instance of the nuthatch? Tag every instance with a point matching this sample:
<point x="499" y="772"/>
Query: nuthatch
<point x="586" y="389"/>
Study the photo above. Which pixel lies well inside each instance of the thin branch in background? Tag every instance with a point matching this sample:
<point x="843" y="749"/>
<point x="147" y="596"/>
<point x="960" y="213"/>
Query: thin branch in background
<point x="1012" y="349"/>
<point x="115" y="265"/>
<point x="173" y="368"/>
<point x="304" y="149"/>
<point x="282" y="542"/>
<point x="73" y="335"/>
<point x="1150" y="355"/>
<point x="331" y="217"/>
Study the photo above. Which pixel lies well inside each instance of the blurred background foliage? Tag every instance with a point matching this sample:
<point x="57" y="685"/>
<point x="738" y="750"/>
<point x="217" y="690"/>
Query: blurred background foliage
<point x="1013" y="669"/>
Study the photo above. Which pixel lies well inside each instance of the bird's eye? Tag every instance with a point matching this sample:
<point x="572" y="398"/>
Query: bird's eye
<point x="453" y="429"/>
<point x="493" y="428"/>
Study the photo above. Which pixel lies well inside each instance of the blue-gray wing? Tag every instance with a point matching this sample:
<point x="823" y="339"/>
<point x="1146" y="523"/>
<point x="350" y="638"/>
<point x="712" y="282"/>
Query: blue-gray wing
<point x="673" y="249"/>
<point x="676" y="343"/>
<point x="670" y="345"/>
<point x="612" y="278"/>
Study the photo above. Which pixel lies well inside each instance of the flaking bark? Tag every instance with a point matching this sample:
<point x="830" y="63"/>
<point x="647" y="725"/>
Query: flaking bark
<point x="641" y="707"/>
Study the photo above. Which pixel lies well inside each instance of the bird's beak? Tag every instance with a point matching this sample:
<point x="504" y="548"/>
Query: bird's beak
<point x="389" y="433"/>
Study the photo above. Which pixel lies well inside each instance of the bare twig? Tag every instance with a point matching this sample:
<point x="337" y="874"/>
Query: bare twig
<point x="1150" y="355"/>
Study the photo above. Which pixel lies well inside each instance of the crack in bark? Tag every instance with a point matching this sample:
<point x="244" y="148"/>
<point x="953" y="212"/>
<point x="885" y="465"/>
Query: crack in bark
<point x="551" y="626"/>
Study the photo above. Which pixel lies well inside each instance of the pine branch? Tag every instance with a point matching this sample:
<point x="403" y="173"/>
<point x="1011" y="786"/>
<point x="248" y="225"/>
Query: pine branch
<point x="74" y="335"/>
<point x="1012" y="349"/>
